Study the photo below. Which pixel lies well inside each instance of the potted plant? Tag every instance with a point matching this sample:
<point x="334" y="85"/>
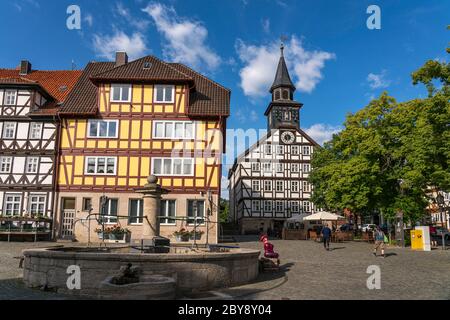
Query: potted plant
<point x="117" y="232"/>
<point x="101" y="235"/>
<point x="196" y="235"/>
<point x="181" y="235"/>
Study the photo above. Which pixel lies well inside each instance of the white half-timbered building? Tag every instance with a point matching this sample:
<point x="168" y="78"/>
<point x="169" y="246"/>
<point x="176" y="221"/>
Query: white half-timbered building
<point x="29" y="101"/>
<point x="268" y="182"/>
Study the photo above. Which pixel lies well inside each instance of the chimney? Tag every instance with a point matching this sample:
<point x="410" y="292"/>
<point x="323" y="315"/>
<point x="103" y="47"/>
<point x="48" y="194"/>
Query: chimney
<point x="121" y="58"/>
<point x="25" y="67"/>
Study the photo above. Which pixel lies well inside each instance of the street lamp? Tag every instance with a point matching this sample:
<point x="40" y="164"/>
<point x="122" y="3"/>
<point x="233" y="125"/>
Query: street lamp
<point x="441" y="203"/>
<point x="399" y="231"/>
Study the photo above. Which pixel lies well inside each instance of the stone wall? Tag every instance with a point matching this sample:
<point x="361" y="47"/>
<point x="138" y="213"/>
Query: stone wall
<point x="196" y="271"/>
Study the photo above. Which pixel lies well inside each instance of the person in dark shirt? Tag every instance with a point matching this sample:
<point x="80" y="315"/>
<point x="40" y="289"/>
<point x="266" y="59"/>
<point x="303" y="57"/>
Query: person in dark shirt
<point x="326" y="235"/>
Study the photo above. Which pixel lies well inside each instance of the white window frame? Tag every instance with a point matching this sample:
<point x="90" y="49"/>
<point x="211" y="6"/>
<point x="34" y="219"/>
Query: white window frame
<point x="139" y="219"/>
<point x="295" y="167"/>
<point x="120" y="86"/>
<point x="166" y="214"/>
<point x="107" y="217"/>
<point x="279" y="168"/>
<point x="306" y="206"/>
<point x="268" y="183"/>
<point x="194" y="217"/>
<point x="174" y="135"/>
<point x="306" y="167"/>
<point x="99" y="121"/>
<point x="95" y="173"/>
<point x="35" y="130"/>
<point x="256" y="166"/>
<point x="268" y="149"/>
<point x="279" y="206"/>
<point x="306" y="150"/>
<point x="267" y="205"/>
<point x="172" y="167"/>
<point x="267" y="167"/>
<point x="35" y="164"/>
<point x="6" y="127"/>
<point x="14" y="97"/>
<point x="256" y="186"/>
<point x="295" y="206"/>
<point x="8" y="161"/>
<point x="279" y="150"/>
<point x="12" y="202"/>
<point x="256" y="205"/>
<point x="294" y="186"/>
<point x="295" y="150"/>
<point x="38" y="202"/>
<point x="163" y="86"/>
<point x="306" y="186"/>
<point x="279" y="186"/>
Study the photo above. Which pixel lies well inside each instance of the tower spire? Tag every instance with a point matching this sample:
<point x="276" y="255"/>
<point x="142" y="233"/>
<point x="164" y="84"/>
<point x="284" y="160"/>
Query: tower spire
<point x="282" y="78"/>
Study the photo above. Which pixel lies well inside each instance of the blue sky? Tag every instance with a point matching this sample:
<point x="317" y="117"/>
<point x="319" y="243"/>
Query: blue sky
<point x="337" y="63"/>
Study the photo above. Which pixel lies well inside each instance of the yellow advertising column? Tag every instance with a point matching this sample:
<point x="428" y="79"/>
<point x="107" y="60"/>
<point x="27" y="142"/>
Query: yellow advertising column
<point x="420" y="239"/>
<point x="416" y="240"/>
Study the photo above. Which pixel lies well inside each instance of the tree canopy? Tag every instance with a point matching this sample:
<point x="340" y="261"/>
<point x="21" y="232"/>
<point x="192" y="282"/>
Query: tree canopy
<point x="389" y="154"/>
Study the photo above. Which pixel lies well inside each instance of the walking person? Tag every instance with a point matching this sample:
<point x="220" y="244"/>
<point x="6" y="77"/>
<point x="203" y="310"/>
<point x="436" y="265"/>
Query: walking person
<point x="326" y="235"/>
<point x="433" y="236"/>
<point x="379" y="241"/>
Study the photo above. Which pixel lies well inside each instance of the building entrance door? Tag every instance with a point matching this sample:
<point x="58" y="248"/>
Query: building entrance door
<point x="68" y="218"/>
<point x="278" y="228"/>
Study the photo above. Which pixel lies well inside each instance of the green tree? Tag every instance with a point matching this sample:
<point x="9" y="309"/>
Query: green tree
<point x="389" y="153"/>
<point x="224" y="210"/>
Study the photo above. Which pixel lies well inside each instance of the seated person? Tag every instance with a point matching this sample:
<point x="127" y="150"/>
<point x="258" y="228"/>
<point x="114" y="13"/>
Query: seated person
<point x="268" y="248"/>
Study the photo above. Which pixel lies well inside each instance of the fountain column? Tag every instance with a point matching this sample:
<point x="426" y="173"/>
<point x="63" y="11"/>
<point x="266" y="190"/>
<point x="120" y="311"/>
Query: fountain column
<point x="152" y="192"/>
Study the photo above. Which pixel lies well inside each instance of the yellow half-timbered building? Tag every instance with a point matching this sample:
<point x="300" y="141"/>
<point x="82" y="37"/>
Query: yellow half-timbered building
<point x="124" y="121"/>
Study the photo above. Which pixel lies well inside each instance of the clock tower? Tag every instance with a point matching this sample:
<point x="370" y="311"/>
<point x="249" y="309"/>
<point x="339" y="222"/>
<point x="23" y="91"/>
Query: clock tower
<point x="283" y="111"/>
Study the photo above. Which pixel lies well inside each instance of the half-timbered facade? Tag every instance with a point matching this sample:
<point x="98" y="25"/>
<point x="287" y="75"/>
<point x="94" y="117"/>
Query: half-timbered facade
<point x="268" y="183"/>
<point x="29" y="100"/>
<point x="127" y="120"/>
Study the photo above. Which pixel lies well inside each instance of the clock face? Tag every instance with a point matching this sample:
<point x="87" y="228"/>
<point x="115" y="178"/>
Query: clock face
<point x="287" y="137"/>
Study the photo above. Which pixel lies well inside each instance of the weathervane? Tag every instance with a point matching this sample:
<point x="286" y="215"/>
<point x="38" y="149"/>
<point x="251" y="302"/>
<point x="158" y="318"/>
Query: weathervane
<point x="282" y="39"/>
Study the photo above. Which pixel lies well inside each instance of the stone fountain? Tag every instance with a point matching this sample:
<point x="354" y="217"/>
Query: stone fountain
<point x="161" y="275"/>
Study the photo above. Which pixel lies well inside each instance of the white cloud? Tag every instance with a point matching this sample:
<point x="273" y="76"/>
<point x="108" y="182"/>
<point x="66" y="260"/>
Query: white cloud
<point x="322" y="132"/>
<point x="261" y="62"/>
<point x="89" y="19"/>
<point x="243" y="115"/>
<point x="266" y="25"/>
<point x="122" y="11"/>
<point x="377" y="81"/>
<point x="186" y="38"/>
<point x="106" y="45"/>
<point x="253" y="115"/>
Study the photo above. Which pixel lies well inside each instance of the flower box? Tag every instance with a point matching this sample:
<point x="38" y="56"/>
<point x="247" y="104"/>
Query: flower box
<point x="196" y="236"/>
<point x="182" y="238"/>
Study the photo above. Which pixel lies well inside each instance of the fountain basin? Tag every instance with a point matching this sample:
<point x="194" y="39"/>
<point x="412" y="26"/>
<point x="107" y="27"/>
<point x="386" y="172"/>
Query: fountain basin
<point x="148" y="288"/>
<point x="194" y="271"/>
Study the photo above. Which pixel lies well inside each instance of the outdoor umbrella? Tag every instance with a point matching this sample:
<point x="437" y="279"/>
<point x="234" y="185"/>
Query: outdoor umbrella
<point x="324" y="216"/>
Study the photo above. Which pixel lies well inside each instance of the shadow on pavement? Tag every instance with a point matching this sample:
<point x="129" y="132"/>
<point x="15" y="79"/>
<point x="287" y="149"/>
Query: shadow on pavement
<point x="390" y="254"/>
<point x="336" y="248"/>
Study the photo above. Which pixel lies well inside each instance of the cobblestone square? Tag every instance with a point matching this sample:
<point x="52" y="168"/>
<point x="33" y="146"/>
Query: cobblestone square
<point x="308" y="272"/>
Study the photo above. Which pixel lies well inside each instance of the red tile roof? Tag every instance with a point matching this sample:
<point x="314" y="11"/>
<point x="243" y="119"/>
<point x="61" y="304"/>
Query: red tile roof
<point x="207" y="98"/>
<point x="145" y="69"/>
<point x="83" y="98"/>
<point x="57" y="83"/>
